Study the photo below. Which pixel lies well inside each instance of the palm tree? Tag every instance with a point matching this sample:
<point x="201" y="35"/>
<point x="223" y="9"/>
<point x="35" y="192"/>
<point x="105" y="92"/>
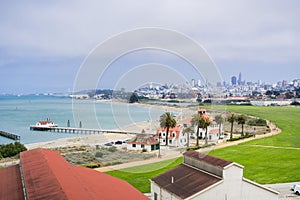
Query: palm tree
<point x="219" y="119"/>
<point x="196" y="121"/>
<point x="188" y="130"/>
<point x="167" y="121"/>
<point x="231" y="118"/>
<point x="241" y="119"/>
<point x="205" y="122"/>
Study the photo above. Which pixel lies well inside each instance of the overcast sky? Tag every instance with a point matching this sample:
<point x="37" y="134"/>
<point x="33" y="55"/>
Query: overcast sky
<point x="44" y="43"/>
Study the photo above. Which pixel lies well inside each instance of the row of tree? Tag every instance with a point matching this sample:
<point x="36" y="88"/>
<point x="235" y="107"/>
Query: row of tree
<point x="167" y="121"/>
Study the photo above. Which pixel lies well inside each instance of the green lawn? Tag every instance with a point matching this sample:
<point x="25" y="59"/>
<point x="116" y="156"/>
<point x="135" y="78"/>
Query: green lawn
<point x="262" y="164"/>
<point x="139" y="176"/>
<point x="266" y="164"/>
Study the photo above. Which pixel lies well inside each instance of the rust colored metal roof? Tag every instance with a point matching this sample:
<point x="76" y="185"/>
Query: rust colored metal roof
<point x="11" y="183"/>
<point x="49" y="176"/>
<point x="187" y="181"/>
<point x="208" y="159"/>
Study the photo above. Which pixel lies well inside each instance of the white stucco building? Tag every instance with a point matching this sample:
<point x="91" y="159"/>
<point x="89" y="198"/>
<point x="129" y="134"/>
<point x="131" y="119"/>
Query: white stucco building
<point x="206" y="177"/>
<point x="143" y="142"/>
<point x="176" y="138"/>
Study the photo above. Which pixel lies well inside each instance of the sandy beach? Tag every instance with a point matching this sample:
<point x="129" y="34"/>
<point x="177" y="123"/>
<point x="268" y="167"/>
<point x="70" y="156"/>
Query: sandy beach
<point x="100" y="139"/>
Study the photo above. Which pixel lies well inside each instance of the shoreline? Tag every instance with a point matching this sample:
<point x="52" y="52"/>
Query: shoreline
<point x="92" y="139"/>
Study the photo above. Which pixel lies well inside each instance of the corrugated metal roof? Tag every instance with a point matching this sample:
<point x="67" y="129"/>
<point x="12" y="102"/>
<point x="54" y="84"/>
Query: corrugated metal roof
<point x="49" y="176"/>
<point x="207" y="158"/>
<point x="143" y="139"/>
<point x="11" y="183"/>
<point x="187" y="181"/>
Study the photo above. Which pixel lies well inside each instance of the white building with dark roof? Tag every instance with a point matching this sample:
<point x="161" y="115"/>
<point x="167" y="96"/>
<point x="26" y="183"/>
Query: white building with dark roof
<point x="202" y="176"/>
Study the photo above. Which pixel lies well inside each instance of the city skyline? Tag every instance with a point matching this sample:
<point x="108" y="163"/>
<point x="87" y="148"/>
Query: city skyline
<point x="43" y="45"/>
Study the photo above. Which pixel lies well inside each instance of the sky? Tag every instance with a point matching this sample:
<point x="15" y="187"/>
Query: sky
<point x="44" y="44"/>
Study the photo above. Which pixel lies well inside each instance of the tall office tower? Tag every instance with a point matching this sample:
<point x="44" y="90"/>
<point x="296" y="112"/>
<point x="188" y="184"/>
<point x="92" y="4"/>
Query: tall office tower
<point x="199" y="83"/>
<point x="240" y="79"/>
<point x="233" y="80"/>
<point x="193" y="83"/>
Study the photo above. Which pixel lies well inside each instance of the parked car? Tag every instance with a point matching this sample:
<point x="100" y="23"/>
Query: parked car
<point x="296" y="188"/>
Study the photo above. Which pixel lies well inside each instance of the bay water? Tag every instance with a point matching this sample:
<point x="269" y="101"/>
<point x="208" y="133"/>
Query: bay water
<point x="17" y="113"/>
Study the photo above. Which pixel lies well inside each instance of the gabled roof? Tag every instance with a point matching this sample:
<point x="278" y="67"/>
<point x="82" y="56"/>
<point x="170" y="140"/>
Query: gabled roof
<point x="207" y="158"/>
<point x="11" y="183"/>
<point x="186" y="180"/>
<point x="177" y="129"/>
<point x="48" y="176"/>
<point x="143" y="139"/>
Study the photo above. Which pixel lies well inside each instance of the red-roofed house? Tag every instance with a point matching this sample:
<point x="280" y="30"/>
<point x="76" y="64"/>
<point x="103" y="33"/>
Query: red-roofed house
<point x="176" y="137"/>
<point x="45" y="174"/>
<point x="143" y="141"/>
<point x="202" y="176"/>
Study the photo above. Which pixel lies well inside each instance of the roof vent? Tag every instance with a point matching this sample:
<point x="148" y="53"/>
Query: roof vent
<point x="172" y="179"/>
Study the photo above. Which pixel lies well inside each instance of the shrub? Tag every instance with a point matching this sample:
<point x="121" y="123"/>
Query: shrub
<point x="92" y="165"/>
<point x="144" y="150"/>
<point x="192" y="148"/>
<point x="257" y="122"/>
<point x="240" y="138"/>
<point x="12" y="149"/>
<point x="99" y="154"/>
<point x="112" y="149"/>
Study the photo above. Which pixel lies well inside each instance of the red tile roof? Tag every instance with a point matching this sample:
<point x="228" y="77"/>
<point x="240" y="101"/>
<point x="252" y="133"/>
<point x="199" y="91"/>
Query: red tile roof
<point x="187" y="181"/>
<point x="48" y="176"/>
<point x="177" y="129"/>
<point x="208" y="159"/>
<point x="11" y="183"/>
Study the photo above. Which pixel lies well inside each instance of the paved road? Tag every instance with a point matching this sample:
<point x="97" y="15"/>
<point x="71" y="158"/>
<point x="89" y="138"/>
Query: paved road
<point x="285" y="190"/>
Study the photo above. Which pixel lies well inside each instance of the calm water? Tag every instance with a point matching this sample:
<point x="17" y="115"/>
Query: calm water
<point x="18" y="113"/>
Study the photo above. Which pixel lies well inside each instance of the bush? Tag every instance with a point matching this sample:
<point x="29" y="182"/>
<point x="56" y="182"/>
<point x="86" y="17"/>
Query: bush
<point x="112" y="149"/>
<point x="12" y="149"/>
<point x="257" y="122"/>
<point x="144" y="150"/>
<point x="99" y="154"/>
<point x="193" y="148"/>
<point x="240" y="138"/>
<point x="92" y="165"/>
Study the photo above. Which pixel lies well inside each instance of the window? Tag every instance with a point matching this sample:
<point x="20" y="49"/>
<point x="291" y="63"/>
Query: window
<point x="170" y="141"/>
<point x="155" y="196"/>
<point x="173" y="134"/>
<point x="142" y="146"/>
<point x="133" y="145"/>
<point x="164" y="134"/>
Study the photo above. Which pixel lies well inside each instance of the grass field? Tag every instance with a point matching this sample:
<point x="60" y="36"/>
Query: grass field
<point x="274" y="159"/>
<point x="139" y="176"/>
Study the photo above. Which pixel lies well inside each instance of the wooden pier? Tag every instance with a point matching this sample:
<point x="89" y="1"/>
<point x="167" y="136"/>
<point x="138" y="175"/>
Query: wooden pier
<point x="10" y="135"/>
<point x="77" y="130"/>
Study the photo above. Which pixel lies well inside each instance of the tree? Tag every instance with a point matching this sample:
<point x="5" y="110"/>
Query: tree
<point x="201" y="121"/>
<point x="133" y="98"/>
<point x="188" y="130"/>
<point x="205" y="122"/>
<point x="219" y="120"/>
<point x="231" y="119"/>
<point x="167" y="121"/>
<point x="241" y="119"/>
<point x="196" y="121"/>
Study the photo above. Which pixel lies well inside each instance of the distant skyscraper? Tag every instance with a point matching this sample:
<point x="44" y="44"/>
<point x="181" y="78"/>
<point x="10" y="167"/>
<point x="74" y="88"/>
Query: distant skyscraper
<point x="193" y="83"/>
<point x="240" y="79"/>
<point x="199" y="83"/>
<point x="233" y="80"/>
